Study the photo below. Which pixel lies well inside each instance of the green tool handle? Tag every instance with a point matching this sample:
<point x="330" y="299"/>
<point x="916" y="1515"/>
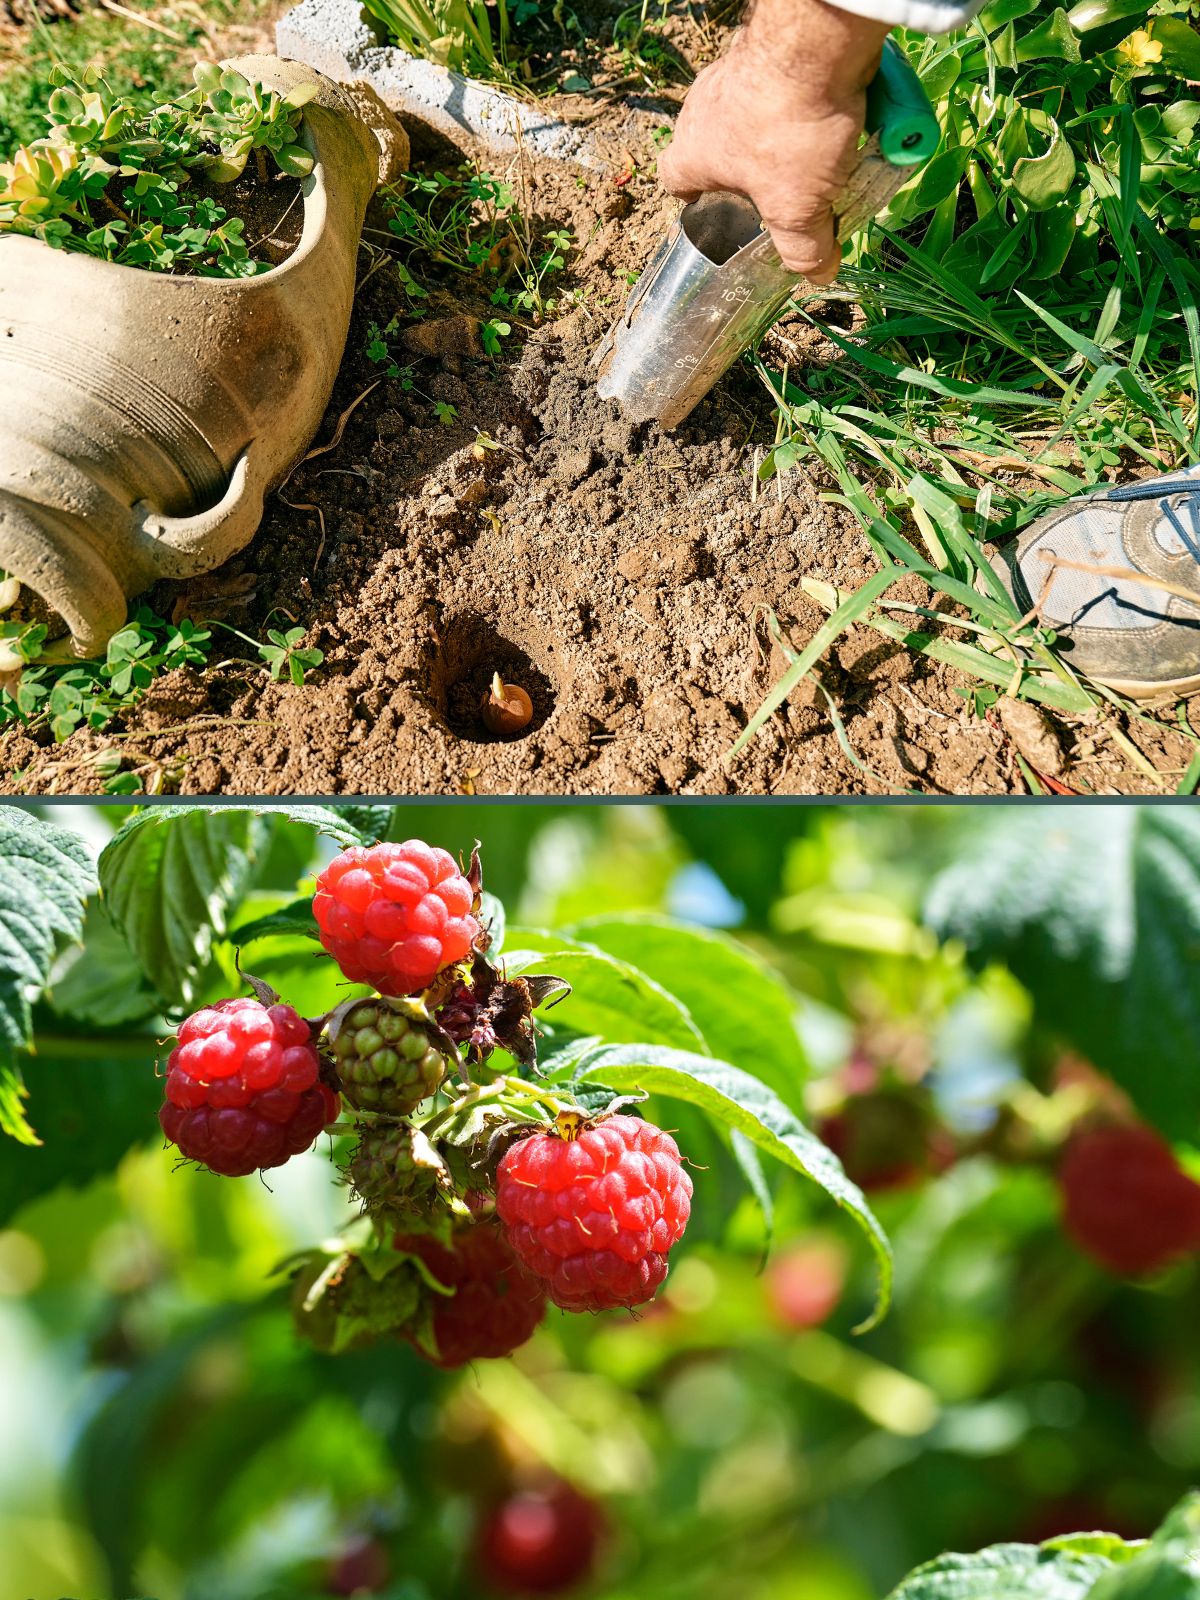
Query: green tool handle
<point x="898" y="109"/>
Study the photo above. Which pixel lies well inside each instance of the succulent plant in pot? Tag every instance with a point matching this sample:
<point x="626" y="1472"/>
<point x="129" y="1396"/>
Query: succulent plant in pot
<point x="160" y="370"/>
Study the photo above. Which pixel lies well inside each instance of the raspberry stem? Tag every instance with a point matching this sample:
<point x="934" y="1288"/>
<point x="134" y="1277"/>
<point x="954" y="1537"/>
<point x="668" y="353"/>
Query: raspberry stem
<point x="497" y="1090"/>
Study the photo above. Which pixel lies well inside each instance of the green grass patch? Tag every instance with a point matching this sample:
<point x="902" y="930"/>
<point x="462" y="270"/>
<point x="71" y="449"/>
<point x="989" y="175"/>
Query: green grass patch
<point x="1030" y="312"/>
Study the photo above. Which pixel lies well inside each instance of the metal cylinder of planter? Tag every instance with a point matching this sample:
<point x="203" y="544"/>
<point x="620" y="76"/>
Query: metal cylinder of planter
<point x="716" y="283"/>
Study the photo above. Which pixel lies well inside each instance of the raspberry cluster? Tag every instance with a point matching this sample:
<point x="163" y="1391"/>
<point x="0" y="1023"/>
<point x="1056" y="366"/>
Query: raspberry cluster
<point x="243" y="1087"/>
<point x="595" y="1216"/>
<point x="584" y="1216"/>
<point x="395" y="915"/>
<point x="1126" y="1201"/>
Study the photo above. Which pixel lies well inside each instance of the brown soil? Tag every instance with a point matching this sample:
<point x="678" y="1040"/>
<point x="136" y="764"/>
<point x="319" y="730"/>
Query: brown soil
<point x="272" y="210"/>
<point x="619" y="575"/>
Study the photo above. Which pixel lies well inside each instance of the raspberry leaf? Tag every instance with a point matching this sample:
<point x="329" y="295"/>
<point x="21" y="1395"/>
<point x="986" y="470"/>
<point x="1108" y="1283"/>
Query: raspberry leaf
<point x="100" y="980"/>
<point x="1168" y="1568"/>
<point x="371" y="823"/>
<point x="743" y="1009"/>
<point x="46" y="876"/>
<point x="294" y="919"/>
<point x="1097" y="912"/>
<point x="744" y="1104"/>
<point x="170" y="879"/>
<point x="609" y="997"/>
<point x="1006" y="1572"/>
<point x="1098" y="1566"/>
<point x="562" y="1052"/>
<point x="173" y="876"/>
<point x="90" y="1101"/>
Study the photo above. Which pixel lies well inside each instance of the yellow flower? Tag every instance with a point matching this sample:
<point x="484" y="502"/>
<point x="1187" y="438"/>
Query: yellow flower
<point x="1140" y="50"/>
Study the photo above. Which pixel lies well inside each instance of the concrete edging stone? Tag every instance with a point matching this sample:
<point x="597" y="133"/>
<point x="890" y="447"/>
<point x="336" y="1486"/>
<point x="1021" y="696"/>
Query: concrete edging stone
<point x="334" y="37"/>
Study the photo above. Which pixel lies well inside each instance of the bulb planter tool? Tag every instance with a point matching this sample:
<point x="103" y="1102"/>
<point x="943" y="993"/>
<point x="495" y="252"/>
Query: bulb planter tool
<point x="716" y="283"/>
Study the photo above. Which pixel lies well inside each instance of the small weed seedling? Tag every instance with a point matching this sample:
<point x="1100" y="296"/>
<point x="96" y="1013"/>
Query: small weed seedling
<point x="528" y="300"/>
<point x="92" y="693"/>
<point x="641" y="49"/>
<point x="491" y="334"/>
<point x="64" y="696"/>
<point x="471" y="223"/>
<point x="283" y="651"/>
<point x="379" y="350"/>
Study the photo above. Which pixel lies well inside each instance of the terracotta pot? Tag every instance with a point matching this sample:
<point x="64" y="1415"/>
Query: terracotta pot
<point x="144" y="417"/>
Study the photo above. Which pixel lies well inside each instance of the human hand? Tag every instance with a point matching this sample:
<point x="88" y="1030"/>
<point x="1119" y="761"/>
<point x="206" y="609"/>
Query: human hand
<point x="778" y="119"/>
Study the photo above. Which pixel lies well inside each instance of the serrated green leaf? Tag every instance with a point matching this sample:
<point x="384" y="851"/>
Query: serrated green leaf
<point x="739" y="1102"/>
<point x="1005" y="1572"/>
<point x="46" y="876"/>
<point x="1097" y="912"/>
<point x="174" y="875"/>
<point x="558" y="1059"/>
<point x="294" y="919"/>
<point x="171" y="878"/>
<point x="491" y="914"/>
<point x="1168" y="1568"/>
<point x="745" y="1011"/>
<point x="371" y="823"/>
<point x="611" y="998"/>
<point x="100" y="981"/>
<point x="91" y="1102"/>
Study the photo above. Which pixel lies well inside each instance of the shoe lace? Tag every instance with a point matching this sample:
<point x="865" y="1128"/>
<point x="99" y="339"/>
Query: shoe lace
<point x="1183" y="486"/>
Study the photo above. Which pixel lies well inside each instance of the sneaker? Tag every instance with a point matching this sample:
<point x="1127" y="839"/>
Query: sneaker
<point x="1105" y="558"/>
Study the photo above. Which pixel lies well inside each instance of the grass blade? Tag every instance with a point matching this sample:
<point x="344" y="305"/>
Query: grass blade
<point x="848" y="612"/>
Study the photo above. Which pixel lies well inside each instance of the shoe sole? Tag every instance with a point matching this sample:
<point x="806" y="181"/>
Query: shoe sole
<point x="1132" y="689"/>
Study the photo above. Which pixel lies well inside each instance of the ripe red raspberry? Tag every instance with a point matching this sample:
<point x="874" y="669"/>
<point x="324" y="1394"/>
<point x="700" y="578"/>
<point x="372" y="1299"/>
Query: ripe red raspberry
<point x="394" y="915"/>
<point x="539" y="1541"/>
<point x="1126" y="1202"/>
<point x="496" y="1304"/>
<point x="243" y="1087"/>
<point x="595" y="1216"/>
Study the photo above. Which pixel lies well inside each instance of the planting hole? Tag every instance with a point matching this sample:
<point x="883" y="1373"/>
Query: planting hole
<point x="468" y="659"/>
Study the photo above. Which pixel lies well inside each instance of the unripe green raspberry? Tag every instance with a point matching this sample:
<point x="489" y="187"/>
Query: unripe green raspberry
<point x="389" y="1057"/>
<point x="342" y="1303"/>
<point x="394" y="1167"/>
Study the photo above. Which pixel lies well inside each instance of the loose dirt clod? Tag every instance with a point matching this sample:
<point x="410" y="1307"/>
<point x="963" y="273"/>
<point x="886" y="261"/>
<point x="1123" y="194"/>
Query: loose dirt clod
<point x="1034" y="735"/>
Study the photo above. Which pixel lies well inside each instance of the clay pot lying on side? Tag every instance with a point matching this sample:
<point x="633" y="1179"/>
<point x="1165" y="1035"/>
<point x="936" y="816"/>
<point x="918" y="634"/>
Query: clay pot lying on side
<point x="144" y="417"/>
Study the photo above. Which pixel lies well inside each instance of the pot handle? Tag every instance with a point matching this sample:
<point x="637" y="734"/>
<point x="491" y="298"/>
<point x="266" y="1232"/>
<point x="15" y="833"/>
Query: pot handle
<point x="180" y="547"/>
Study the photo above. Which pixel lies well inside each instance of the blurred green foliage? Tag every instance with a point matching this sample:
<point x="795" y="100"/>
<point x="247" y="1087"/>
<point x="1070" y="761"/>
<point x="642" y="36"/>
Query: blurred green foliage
<point x="164" y="1433"/>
